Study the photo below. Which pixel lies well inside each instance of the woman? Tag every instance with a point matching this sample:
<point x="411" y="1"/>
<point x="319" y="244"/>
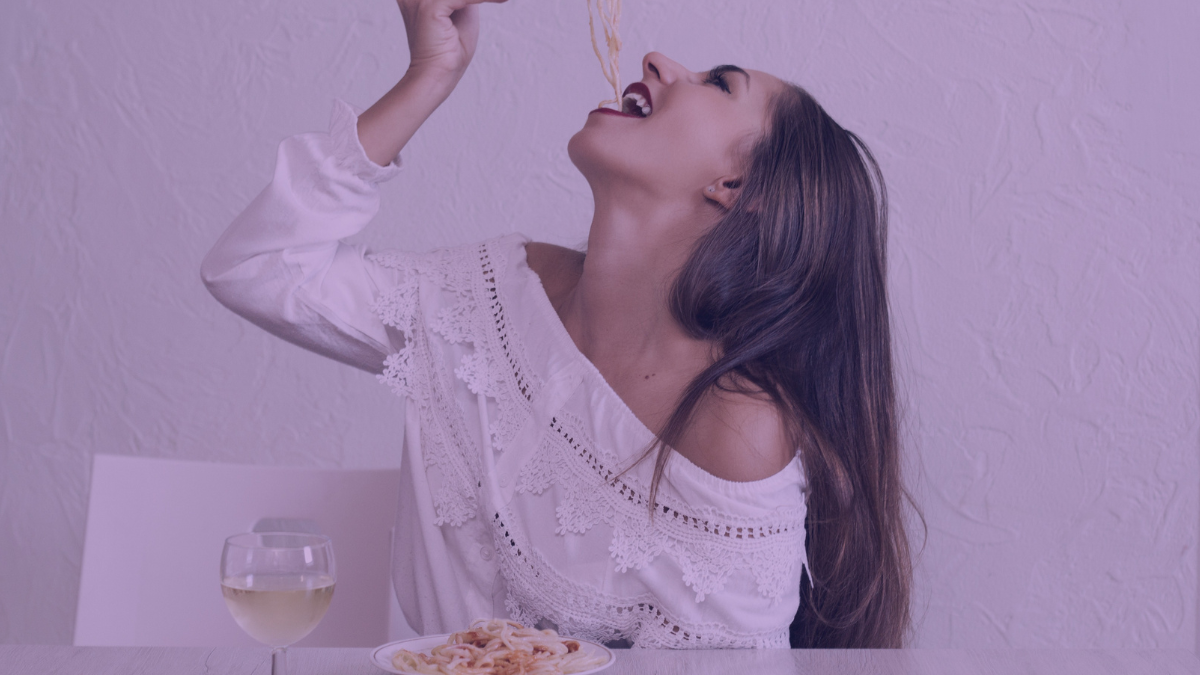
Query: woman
<point x="619" y="444"/>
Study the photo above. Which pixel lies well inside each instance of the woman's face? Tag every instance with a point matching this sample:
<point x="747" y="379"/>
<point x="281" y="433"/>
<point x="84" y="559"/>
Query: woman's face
<point x="699" y="127"/>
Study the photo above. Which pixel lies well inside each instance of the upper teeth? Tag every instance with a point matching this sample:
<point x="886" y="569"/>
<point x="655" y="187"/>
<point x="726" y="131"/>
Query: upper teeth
<point x="639" y="101"/>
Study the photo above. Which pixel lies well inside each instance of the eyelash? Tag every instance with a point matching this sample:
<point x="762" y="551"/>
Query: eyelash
<point x="719" y="80"/>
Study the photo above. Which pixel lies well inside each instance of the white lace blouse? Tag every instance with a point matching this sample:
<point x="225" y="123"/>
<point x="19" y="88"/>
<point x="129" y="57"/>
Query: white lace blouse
<point x="511" y="503"/>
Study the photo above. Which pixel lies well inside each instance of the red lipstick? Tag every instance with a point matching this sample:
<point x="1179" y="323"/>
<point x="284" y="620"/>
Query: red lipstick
<point x="643" y="90"/>
<point x="639" y="90"/>
<point x="618" y="113"/>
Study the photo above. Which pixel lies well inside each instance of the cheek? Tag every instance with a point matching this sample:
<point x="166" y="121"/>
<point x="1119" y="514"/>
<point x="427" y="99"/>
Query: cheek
<point x="694" y="147"/>
<point x="674" y="153"/>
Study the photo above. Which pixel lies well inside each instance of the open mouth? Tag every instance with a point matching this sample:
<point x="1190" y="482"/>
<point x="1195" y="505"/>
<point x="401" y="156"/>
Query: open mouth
<point x="636" y="100"/>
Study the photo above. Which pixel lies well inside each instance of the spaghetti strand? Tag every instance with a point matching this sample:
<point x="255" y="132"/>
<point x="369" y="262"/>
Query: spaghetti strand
<point x="609" y="12"/>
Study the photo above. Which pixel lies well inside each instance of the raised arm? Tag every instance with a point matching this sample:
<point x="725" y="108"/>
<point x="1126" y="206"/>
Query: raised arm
<point x="441" y="41"/>
<point x="281" y="263"/>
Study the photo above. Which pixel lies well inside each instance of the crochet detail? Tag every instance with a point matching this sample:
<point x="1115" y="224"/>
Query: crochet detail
<point x="496" y="368"/>
<point x="417" y="373"/>
<point x="450" y="307"/>
<point x="397" y="308"/>
<point x="537" y="592"/>
<point x="509" y="379"/>
<point x="471" y="313"/>
<point x="710" y="546"/>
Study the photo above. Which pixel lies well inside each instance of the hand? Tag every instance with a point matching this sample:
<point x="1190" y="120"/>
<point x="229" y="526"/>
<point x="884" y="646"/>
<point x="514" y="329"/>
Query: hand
<point x="441" y="35"/>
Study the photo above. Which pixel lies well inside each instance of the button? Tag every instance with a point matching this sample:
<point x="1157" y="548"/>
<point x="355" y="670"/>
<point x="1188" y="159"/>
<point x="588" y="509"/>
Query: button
<point x="485" y="552"/>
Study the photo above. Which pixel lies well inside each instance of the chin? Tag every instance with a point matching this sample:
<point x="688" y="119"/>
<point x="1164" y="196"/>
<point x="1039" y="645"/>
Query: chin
<point x="584" y="154"/>
<point x="599" y="159"/>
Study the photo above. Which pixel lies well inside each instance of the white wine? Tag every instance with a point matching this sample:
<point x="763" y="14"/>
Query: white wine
<point x="278" y="609"/>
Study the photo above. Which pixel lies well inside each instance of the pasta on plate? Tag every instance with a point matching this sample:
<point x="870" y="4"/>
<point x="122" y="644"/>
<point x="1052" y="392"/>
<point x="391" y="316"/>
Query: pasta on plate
<point x="500" y="647"/>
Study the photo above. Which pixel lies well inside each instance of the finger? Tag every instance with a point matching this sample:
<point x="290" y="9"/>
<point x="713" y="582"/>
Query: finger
<point x="455" y="5"/>
<point x="455" y="8"/>
<point x="465" y="18"/>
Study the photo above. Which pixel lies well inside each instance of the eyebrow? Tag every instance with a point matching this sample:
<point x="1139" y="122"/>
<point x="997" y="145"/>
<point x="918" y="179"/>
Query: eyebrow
<point x="727" y="68"/>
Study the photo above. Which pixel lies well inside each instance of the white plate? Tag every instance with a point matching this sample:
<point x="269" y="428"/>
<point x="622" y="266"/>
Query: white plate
<point x="382" y="656"/>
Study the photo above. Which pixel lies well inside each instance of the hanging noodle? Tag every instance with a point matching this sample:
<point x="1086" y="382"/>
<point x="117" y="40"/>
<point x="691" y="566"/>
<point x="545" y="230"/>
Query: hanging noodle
<point x="610" y="65"/>
<point x="500" y="647"/>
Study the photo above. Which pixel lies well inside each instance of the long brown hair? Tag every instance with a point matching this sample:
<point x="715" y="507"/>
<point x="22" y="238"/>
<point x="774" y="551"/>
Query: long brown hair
<point x="791" y="286"/>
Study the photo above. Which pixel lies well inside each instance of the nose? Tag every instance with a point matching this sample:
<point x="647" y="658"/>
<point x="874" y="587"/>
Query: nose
<point x="657" y="66"/>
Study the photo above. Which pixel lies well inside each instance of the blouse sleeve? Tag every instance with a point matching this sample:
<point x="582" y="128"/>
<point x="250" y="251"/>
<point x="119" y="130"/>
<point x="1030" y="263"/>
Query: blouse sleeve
<point x="281" y="264"/>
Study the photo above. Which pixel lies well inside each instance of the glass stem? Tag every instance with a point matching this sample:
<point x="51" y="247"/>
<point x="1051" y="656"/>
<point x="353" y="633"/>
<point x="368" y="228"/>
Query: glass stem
<point x="279" y="661"/>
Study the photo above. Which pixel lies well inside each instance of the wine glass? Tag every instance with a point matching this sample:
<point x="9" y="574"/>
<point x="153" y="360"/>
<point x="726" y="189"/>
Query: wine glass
<point x="278" y="585"/>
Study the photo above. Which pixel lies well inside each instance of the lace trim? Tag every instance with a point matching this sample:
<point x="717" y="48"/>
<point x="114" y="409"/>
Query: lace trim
<point x="416" y="372"/>
<point x="397" y="308"/>
<point x="709" y="546"/>
<point x="495" y="367"/>
<point x="536" y="592"/>
<point x="514" y="384"/>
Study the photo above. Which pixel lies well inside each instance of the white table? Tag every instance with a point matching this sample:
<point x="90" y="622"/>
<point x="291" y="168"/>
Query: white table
<point x="61" y="660"/>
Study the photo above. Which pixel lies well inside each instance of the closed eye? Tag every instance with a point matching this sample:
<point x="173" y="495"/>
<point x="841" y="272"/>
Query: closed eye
<point x="717" y="76"/>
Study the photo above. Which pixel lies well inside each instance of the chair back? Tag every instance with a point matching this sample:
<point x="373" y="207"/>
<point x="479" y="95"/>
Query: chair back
<point x="156" y="528"/>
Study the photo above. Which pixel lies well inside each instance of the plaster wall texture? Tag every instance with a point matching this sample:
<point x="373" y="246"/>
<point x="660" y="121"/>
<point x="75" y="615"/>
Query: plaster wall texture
<point x="1043" y="171"/>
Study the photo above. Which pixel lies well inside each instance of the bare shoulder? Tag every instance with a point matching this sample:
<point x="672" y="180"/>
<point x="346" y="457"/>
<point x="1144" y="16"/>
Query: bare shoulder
<point x="558" y="267"/>
<point x="738" y="437"/>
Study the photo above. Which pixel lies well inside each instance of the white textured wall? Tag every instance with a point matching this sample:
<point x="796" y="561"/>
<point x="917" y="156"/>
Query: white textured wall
<point x="1042" y="160"/>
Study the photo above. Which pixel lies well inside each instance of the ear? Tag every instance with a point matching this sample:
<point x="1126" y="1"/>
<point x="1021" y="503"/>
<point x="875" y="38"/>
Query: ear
<point x="724" y="191"/>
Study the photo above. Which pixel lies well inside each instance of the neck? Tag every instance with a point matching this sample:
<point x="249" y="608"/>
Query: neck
<point x="618" y="312"/>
